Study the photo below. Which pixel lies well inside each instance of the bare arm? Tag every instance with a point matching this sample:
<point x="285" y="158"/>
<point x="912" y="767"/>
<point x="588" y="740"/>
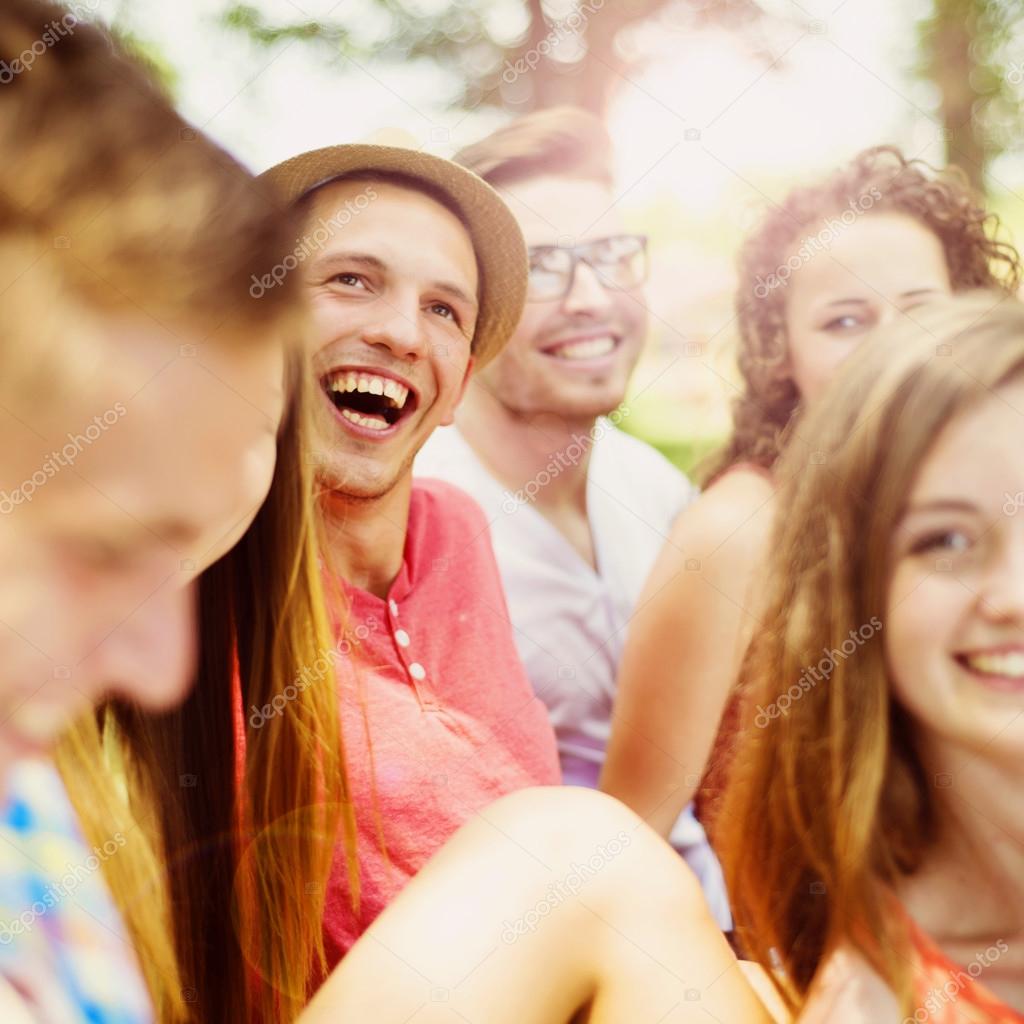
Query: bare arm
<point x="684" y="649"/>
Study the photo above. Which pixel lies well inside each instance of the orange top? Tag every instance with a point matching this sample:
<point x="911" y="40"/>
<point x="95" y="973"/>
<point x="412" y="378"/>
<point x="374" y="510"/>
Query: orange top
<point x="723" y="751"/>
<point x="950" y="994"/>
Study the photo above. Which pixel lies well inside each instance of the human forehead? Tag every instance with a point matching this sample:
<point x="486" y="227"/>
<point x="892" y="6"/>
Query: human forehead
<point x="555" y="210"/>
<point x="388" y="214"/>
<point x="165" y="436"/>
<point x="979" y="452"/>
<point x="849" y="256"/>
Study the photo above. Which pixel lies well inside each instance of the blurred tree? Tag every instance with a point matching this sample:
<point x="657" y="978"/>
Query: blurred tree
<point x="526" y="54"/>
<point x="973" y="50"/>
<point x="520" y="54"/>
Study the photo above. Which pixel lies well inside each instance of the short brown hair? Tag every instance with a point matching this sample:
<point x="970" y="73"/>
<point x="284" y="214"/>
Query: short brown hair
<point x="564" y="141"/>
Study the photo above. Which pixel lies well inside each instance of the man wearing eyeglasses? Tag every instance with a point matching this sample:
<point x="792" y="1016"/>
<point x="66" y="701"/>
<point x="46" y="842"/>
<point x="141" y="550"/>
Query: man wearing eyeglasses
<point x="578" y="509"/>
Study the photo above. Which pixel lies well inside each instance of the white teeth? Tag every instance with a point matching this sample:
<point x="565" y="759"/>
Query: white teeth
<point x="591" y="348"/>
<point x="344" y="383"/>
<point x="373" y="422"/>
<point x="1010" y="665"/>
<point x="396" y="392"/>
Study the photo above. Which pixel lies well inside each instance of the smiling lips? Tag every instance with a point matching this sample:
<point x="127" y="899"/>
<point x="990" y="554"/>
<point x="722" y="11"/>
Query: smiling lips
<point x="368" y="400"/>
<point x="996" y="665"/>
<point x="578" y="349"/>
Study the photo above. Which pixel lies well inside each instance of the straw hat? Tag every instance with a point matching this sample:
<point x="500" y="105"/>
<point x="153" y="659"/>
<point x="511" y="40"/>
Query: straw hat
<point x="497" y="240"/>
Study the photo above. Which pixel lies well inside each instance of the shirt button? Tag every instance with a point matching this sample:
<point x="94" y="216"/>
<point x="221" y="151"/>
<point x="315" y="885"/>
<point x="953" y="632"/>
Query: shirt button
<point x="402" y="638"/>
<point x="417" y="671"/>
<point x="393" y="606"/>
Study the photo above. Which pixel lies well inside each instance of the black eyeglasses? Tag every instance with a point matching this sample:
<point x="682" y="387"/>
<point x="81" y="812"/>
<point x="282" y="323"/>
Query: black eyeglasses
<point x="620" y="262"/>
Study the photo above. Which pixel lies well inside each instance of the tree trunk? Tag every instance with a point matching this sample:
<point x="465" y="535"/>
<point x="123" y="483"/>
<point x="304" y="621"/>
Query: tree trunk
<point x="952" y="63"/>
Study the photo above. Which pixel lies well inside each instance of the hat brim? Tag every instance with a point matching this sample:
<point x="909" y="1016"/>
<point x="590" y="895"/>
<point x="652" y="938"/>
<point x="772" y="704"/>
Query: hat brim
<point x="497" y="239"/>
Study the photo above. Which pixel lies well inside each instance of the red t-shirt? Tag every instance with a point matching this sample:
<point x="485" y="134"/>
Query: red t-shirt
<point x="438" y="716"/>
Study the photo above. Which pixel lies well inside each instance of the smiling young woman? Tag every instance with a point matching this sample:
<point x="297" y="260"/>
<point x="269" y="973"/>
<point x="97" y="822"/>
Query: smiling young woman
<point x="872" y="832"/>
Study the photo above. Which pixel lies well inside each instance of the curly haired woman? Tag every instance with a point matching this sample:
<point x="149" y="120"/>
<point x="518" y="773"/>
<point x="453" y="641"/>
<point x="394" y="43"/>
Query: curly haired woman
<point x="834" y="263"/>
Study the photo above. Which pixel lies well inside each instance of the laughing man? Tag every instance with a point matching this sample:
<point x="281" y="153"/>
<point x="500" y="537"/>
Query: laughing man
<point x="419" y="284"/>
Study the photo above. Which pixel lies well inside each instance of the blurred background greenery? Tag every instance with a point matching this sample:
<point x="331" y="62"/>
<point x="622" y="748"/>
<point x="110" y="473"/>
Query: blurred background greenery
<point x="717" y="108"/>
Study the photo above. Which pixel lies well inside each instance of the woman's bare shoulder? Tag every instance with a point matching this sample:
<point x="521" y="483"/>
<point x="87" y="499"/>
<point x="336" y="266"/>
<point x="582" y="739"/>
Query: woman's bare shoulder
<point x="849" y="990"/>
<point x="736" y="509"/>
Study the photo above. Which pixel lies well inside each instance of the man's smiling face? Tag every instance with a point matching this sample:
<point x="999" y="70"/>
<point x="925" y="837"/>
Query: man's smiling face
<point x="394" y="300"/>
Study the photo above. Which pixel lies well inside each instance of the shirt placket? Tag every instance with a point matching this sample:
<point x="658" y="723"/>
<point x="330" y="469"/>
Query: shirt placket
<point x="415" y="672"/>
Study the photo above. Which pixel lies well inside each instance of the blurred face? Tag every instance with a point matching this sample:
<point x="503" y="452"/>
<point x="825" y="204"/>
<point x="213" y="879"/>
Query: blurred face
<point x="874" y="271"/>
<point x="571" y="355"/>
<point x="955" y="627"/>
<point x="111" y="502"/>
<point x="394" y="298"/>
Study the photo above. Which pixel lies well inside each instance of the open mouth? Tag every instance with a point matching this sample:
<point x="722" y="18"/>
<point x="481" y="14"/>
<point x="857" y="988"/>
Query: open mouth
<point x="368" y="400"/>
<point x="584" y="349"/>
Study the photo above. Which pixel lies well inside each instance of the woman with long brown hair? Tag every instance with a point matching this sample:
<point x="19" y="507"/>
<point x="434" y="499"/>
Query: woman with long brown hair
<point x="872" y="828"/>
<point x="834" y="263"/>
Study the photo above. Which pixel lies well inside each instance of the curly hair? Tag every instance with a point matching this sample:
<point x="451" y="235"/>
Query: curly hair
<point x="882" y="179"/>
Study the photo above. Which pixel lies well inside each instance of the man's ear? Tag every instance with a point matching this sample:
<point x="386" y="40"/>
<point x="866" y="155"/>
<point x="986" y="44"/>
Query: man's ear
<point x="450" y="418"/>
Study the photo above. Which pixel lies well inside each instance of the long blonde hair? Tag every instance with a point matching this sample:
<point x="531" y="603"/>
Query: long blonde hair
<point x="829" y="806"/>
<point x="246" y="847"/>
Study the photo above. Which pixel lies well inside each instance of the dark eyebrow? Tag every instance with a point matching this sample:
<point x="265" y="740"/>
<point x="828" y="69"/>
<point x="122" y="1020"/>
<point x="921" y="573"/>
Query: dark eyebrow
<point x="455" y="292"/>
<point x="362" y="259"/>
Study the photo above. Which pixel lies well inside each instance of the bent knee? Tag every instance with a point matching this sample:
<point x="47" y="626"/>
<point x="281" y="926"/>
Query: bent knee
<point x="559" y="811"/>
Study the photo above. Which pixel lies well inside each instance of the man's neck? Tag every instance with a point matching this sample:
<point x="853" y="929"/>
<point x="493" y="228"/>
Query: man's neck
<point x="365" y="537"/>
<point x="542" y="458"/>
